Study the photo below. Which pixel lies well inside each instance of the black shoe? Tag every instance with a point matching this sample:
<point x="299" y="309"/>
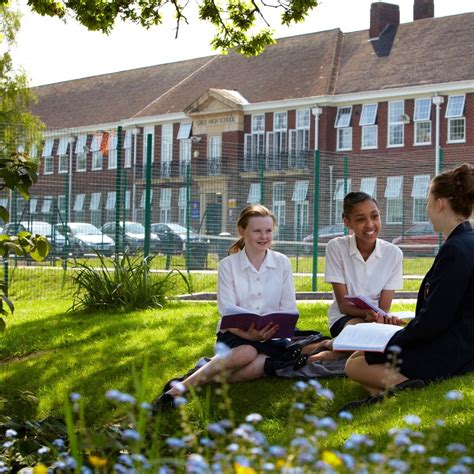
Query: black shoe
<point x="407" y="384"/>
<point x="165" y="402"/>
<point x="169" y="385"/>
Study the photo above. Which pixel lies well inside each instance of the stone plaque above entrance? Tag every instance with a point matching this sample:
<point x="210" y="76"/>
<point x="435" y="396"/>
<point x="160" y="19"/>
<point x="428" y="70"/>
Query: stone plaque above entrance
<point x="217" y="111"/>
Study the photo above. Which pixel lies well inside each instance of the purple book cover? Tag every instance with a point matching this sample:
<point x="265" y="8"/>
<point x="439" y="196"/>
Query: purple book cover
<point x="285" y="321"/>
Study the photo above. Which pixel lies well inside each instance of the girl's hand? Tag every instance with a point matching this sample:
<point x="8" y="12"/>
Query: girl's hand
<point x="371" y="316"/>
<point x="388" y="319"/>
<point x="263" y="334"/>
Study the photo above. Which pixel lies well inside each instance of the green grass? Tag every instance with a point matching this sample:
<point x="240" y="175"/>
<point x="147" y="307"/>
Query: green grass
<point x="50" y="354"/>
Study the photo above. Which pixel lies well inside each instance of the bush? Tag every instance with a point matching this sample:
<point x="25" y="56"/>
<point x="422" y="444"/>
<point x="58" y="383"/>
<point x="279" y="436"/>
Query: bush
<point x="123" y="284"/>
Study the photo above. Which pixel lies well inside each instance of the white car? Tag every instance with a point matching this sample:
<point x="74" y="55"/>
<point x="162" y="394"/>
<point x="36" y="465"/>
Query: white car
<point x="86" y="238"/>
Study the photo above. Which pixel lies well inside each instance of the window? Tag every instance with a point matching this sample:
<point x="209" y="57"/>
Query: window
<point x="95" y="201"/>
<point x="46" y="208"/>
<point x="344" y="138"/>
<point x="182" y="205"/>
<point x="258" y="123"/>
<point x="393" y="195"/>
<point x="79" y="203"/>
<point x="33" y="205"/>
<point x="343" y="117"/>
<point x="48" y="156"/>
<point x="165" y="205"/>
<point x="62" y="154"/>
<point x="422" y="119"/>
<point x="279" y="207"/>
<point x="96" y="153"/>
<point x="113" y="139"/>
<point x="110" y="205"/>
<point x="143" y="198"/>
<point x="342" y="188"/>
<point x="367" y="120"/>
<point x="184" y="156"/>
<point x="127" y="145"/>
<point x="62" y="206"/>
<point x="81" y="155"/>
<point x="214" y="151"/>
<point x="254" y="196"/>
<point x="419" y="193"/>
<point x="299" y="141"/>
<point x="127" y="199"/>
<point x="369" y="186"/>
<point x="457" y="130"/>
<point x="254" y="146"/>
<point x="166" y="149"/>
<point x="455" y="107"/>
<point x="277" y="141"/>
<point x="395" y="123"/>
<point x="184" y="131"/>
<point x="301" y="219"/>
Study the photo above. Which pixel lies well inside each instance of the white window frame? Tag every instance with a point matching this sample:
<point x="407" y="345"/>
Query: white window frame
<point x="369" y="137"/>
<point x="79" y="202"/>
<point x="97" y="157"/>
<point x="110" y="203"/>
<point x="143" y="198"/>
<point x="94" y="205"/>
<point x="344" y="139"/>
<point x="455" y="107"/>
<point x="127" y="145"/>
<point x="338" y="198"/>
<point x="368" y="115"/>
<point x="279" y="204"/>
<point x="422" y="120"/>
<point x="47" y="155"/>
<point x="81" y="153"/>
<point x="182" y="206"/>
<point x="254" y="196"/>
<point x="165" y="204"/>
<point x="184" y="132"/>
<point x="300" y="191"/>
<point x="343" y="117"/>
<point x="63" y="160"/>
<point x="112" y="158"/>
<point x="395" y="123"/>
<point x="185" y="150"/>
<point x="47" y="204"/>
<point x="369" y="186"/>
<point x="419" y="194"/>
<point x="150" y="130"/>
<point x="61" y="204"/>
<point x="452" y="132"/>
<point x="258" y="123"/>
<point x="33" y="205"/>
<point x="394" y="199"/>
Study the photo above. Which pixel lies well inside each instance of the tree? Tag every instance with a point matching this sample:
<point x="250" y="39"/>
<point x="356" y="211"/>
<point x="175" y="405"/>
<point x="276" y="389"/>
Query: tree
<point x="19" y="131"/>
<point x="235" y="21"/>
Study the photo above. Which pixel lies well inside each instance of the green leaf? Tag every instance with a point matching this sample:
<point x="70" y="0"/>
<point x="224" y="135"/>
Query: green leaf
<point x="3" y="326"/>
<point x="9" y="303"/>
<point x="4" y="215"/>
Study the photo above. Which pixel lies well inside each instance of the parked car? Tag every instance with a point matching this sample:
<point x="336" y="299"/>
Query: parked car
<point x="86" y="238"/>
<point x="43" y="228"/>
<point x="174" y="236"/>
<point x="325" y="234"/>
<point x="134" y="234"/>
<point x="420" y="239"/>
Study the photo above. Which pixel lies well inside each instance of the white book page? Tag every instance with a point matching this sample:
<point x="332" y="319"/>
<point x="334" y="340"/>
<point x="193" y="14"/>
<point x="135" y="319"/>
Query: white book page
<point x="233" y="309"/>
<point x="365" y="337"/>
<point x="403" y="314"/>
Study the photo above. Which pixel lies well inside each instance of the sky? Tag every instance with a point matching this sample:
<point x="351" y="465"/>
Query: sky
<point x="50" y="50"/>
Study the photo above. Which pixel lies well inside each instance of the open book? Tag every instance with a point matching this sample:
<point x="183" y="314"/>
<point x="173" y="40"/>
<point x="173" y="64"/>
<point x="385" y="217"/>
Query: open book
<point x="241" y="318"/>
<point x="371" y="337"/>
<point x="363" y="302"/>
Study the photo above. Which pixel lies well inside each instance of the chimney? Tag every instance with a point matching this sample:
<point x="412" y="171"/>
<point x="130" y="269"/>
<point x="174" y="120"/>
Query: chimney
<point x="423" y="9"/>
<point x="381" y="15"/>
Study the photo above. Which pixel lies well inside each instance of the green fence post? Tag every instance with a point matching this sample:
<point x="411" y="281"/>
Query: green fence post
<point x="118" y="182"/>
<point x="314" y="280"/>
<point x="146" y="247"/>
<point x="441" y="166"/>
<point x="262" y="179"/>
<point x="5" y="275"/>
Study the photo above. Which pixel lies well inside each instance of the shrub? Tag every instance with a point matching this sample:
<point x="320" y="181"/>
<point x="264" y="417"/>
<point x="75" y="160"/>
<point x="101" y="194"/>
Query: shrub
<point x="125" y="283"/>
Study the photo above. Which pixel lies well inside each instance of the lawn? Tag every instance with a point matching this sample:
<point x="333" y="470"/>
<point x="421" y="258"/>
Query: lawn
<point x="47" y="353"/>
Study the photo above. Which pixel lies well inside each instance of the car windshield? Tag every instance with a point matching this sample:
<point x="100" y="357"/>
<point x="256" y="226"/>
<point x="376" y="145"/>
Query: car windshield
<point x="134" y="228"/>
<point x="179" y="229"/>
<point x="424" y="229"/>
<point x="43" y="228"/>
<point x="84" y="229"/>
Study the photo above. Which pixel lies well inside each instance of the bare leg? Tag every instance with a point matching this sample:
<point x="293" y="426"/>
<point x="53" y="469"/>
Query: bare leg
<point x="238" y="358"/>
<point x="251" y="371"/>
<point x="375" y="378"/>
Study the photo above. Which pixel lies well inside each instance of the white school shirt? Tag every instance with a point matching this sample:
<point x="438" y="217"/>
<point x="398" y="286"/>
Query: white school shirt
<point x="261" y="291"/>
<point x="383" y="270"/>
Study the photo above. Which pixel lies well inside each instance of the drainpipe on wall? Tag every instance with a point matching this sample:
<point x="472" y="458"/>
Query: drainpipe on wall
<point x="437" y="101"/>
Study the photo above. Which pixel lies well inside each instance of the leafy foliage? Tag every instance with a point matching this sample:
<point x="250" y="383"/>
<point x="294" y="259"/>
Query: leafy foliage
<point x="125" y="284"/>
<point x="237" y="22"/>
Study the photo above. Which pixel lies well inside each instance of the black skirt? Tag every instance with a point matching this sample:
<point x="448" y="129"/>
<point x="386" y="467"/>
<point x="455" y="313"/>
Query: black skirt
<point x="272" y="348"/>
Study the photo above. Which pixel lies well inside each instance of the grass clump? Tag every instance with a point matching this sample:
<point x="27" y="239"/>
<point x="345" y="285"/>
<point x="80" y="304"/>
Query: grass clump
<point x="123" y="284"/>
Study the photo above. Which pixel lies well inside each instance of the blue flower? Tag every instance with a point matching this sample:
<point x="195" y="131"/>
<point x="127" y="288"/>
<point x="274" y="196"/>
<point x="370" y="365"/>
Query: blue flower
<point x="11" y="433"/>
<point x="268" y="466"/>
<point x="254" y="418"/>
<point x="132" y="435"/>
<point x="417" y="449"/>
<point x="314" y="383"/>
<point x="327" y="423"/>
<point x="277" y="451"/>
<point x="300" y="386"/>
<point x="465" y="460"/>
<point x="216" y="429"/>
<point x="454" y="395"/>
<point x="197" y="464"/>
<point x="299" y="406"/>
<point x="233" y="448"/>
<point x="126" y="398"/>
<point x="58" y="443"/>
<point x="458" y="469"/>
<point x="402" y="440"/>
<point x="86" y="470"/>
<point x="377" y="458"/>
<point x="70" y="462"/>
<point x="175" y="443"/>
<point x="326" y="394"/>
<point x="43" y="450"/>
<point x="412" y="420"/>
<point x="120" y="469"/>
<point x="437" y="460"/>
<point x="345" y="415"/>
<point x="179" y="401"/>
<point x="394" y="349"/>
<point x="7" y="444"/>
<point x="221" y="350"/>
<point x="146" y="406"/>
<point x="125" y="459"/>
<point x="208" y="443"/>
<point x="74" y="396"/>
<point x="113" y="395"/>
<point x="456" y="448"/>
<point x="398" y="465"/>
<point x="141" y="459"/>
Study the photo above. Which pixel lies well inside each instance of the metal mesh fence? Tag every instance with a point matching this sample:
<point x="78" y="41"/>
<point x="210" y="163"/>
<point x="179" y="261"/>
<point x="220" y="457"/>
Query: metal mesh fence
<point x="178" y="199"/>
